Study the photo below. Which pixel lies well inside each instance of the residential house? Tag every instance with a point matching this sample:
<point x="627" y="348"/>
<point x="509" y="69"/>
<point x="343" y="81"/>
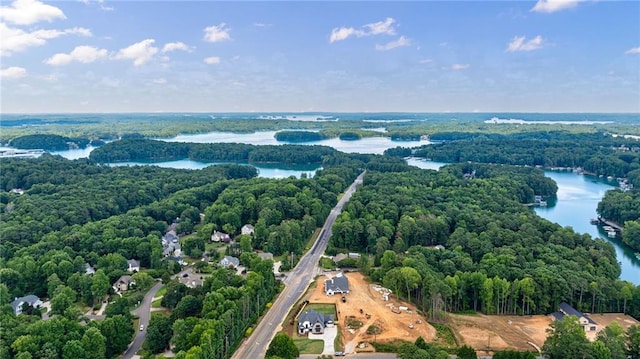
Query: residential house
<point x="230" y="261"/>
<point x="29" y="300"/>
<point x="123" y="283"/>
<point x="313" y="322"/>
<point x="133" y="266"/>
<point x="337" y="284"/>
<point x="265" y="255"/>
<point x="88" y="269"/>
<point x="171" y="244"/>
<point x="565" y="309"/>
<point x="247" y="229"/>
<point x="220" y="237"/>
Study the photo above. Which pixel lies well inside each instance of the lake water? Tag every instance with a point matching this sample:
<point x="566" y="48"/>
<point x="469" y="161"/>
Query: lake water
<point x="576" y="203"/>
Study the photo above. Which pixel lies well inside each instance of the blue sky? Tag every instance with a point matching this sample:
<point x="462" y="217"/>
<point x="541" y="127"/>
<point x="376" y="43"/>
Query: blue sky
<point x="429" y="56"/>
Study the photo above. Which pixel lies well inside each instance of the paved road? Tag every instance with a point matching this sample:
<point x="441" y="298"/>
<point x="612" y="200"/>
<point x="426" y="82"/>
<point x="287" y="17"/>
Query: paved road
<point x="298" y="280"/>
<point x="143" y="312"/>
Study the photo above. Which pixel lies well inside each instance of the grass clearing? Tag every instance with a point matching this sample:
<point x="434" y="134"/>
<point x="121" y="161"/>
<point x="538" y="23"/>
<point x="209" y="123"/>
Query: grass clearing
<point x="308" y="346"/>
<point x="156" y="303"/>
<point x="322" y="308"/>
<point x="444" y="335"/>
<point x="337" y="342"/>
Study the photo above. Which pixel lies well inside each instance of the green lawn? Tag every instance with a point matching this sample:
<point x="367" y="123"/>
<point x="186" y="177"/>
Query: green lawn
<point x="337" y="343"/>
<point x="162" y="291"/>
<point x="322" y="308"/>
<point x="156" y="303"/>
<point x="307" y="346"/>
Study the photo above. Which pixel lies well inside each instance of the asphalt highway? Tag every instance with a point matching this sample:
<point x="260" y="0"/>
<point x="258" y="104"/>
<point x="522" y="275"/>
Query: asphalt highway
<point x="297" y="282"/>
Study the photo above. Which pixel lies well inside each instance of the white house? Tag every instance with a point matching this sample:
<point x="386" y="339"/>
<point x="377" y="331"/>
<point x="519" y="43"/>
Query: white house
<point x="133" y="266"/>
<point x="337" y="284"/>
<point x="218" y="236"/>
<point x="30" y="300"/>
<point x="247" y="229"/>
<point x="565" y="309"/>
<point x="88" y="269"/>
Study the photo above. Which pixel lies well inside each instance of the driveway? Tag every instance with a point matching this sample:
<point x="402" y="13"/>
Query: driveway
<point x="329" y="337"/>
<point x="143" y="312"/>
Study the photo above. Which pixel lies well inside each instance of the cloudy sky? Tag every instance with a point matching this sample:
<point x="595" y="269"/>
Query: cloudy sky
<point x="427" y="56"/>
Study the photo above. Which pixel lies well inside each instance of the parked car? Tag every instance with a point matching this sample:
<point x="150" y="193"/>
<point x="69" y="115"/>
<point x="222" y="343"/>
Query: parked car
<point x="339" y="354"/>
<point x="141" y="327"/>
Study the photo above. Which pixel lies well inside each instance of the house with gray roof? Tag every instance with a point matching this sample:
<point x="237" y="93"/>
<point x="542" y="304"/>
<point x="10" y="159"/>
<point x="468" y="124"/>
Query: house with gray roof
<point x="88" y="269"/>
<point x="337" y="284"/>
<point x="313" y="322"/>
<point x="29" y="300"/>
<point x="585" y="321"/>
<point x="247" y="229"/>
<point x="133" y="265"/>
<point x="230" y="261"/>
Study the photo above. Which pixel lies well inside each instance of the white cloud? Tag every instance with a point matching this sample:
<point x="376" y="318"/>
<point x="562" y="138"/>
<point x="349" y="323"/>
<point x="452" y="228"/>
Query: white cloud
<point x="633" y="50"/>
<point x="260" y="24"/>
<point x="100" y="3"/>
<point x="16" y="40"/>
<point x="520" y="43"/>
<point x="83" y="54"/>
<point x="550" y="6"/>
<point x="402" y="41"/>
<point x="457" y="67"/>
<point x="27" y="12"/>
<point x="140" y="52"/>
<point x="213" y="60"/>
<point x="13" y="72"/>
<point x="426" y="61"/>
<point x="160" y="81"/>
<point x="381" y="27"/>
<point x="174" y="46"/>
<point x="217" y="33"/>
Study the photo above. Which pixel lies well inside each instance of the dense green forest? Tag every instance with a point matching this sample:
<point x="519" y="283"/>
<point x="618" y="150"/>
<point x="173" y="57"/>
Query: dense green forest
<point x="299" y="136"/>
<point x="595" y="153"/>
<point x="77" y="212"/>
<point x="48" y="142"/>
<point x="151" y="150"/>
<point x="623" y="207"/>
<point x="499" y="256"/>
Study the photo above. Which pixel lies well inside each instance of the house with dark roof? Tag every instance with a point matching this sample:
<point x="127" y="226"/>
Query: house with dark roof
<point x="585" y="321"/>
<point x="337" y="284"/>
<point x="29" y="300"/>
<point x="313" y="322"/>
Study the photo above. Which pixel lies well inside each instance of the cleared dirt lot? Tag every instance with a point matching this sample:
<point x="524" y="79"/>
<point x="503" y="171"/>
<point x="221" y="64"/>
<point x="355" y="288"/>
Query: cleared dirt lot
<point x="603" y="320"/>
<point x="492" y="332"/>
<point x="363" y="296"/>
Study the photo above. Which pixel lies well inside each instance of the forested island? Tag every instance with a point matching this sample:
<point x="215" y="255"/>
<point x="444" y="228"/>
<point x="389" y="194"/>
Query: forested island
<point x="50" y="142"/>
<point x="299" y="136"/>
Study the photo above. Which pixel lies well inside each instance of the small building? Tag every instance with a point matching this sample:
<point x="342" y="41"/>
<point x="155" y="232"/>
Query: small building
<point x="337" y="284"/>
<point x="29" y="300"/>
<point x="123" y="284"/>
<point x="565" y="309"/>
<point x="265" y="255"/>
<point x="340" y="256"/>
<point x="133" y="266"/>
<point x="247" y="229"/>
<point x="88" y="269"/>
<point x="228" y="261"/>
<point x="218" y="236"/>
<point x="313" y="322"/>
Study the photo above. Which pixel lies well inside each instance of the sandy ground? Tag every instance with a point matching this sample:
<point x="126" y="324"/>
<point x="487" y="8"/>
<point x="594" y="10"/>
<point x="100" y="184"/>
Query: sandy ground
<point x="492" y="332"/>
<point x="363" y="296"/>
<point x="603" y="320"/>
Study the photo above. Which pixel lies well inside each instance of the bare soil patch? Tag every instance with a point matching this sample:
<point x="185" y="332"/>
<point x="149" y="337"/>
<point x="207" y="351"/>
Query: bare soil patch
<point x="487" y="333"/>
<point x="375" y="311"/>
<point x="605" y="319"/>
